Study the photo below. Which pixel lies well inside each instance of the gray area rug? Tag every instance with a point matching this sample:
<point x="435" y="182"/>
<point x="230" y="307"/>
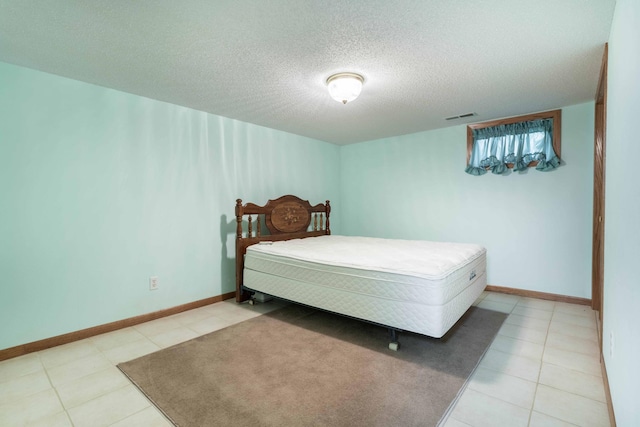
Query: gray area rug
<point x="301" y="367"/>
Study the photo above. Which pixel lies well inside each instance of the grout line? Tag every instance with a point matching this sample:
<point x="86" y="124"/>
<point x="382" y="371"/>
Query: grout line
<point x="55" y="390"/>
<point x="544" y="349"/>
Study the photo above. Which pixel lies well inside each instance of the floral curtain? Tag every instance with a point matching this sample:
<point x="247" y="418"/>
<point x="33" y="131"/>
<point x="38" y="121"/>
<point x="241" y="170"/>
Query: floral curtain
<point x="519" y="144"/>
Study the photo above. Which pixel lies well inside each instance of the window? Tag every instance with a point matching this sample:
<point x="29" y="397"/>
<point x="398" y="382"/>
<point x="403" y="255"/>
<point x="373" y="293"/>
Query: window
<point x="516" y="143"/>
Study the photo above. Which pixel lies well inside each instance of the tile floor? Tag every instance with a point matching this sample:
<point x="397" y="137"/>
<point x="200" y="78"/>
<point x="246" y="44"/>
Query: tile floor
<point x="541" y="370"/>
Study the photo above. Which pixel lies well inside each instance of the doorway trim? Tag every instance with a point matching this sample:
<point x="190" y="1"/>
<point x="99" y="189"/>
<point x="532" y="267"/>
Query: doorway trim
<point x="600" y="136"/>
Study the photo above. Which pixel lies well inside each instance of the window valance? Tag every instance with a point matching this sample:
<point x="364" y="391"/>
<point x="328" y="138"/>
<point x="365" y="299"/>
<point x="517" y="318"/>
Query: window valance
<point x="515" y="145"/>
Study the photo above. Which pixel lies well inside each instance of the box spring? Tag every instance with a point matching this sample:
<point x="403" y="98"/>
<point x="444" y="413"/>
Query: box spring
<point x="422" y="287"/>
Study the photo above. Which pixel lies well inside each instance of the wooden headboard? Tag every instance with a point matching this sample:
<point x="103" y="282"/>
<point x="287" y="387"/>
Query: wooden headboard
<point x="286" y="218"/>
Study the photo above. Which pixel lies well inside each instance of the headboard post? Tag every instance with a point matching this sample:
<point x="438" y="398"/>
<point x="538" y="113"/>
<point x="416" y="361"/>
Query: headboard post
<point x="328" y="212"/>
<point x="238" y="218"/>
<point x="286" y="218"/>
<point x="240" y="249"/>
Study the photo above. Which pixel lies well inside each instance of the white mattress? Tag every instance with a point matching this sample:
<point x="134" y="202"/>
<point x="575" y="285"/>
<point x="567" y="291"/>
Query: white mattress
<point x="418" y="286"/>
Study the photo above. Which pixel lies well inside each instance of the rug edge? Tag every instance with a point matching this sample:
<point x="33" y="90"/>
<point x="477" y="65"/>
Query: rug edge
<point x="166" y="416"/>
<point x="447" y="413"/>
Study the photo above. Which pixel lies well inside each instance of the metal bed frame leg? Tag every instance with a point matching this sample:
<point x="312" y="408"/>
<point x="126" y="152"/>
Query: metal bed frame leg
<point x="393" y="339"/>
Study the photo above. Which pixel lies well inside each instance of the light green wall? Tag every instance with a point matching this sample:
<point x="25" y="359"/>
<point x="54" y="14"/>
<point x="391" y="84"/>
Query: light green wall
<point x="622" y="215"/>
<point x="101" y="189"/>
<point x="536" y="226"/>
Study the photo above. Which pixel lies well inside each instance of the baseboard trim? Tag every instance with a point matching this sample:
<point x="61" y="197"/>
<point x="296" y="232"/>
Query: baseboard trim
<point x="46" y="343"/>
<point x="605" y="377"/>
<point x="607" y="392"/>
<point x="539" y="295"/>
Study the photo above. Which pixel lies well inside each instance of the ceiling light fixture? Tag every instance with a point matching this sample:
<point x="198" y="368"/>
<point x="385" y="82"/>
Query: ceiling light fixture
<point x="345" y="87"/>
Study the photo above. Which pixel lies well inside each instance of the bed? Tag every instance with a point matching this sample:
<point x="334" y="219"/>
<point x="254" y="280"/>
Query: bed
<point x="405" y="285"/>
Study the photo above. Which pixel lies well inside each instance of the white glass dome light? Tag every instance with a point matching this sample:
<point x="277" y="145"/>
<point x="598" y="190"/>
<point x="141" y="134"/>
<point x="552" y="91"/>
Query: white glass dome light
<point x="345" y="87"/>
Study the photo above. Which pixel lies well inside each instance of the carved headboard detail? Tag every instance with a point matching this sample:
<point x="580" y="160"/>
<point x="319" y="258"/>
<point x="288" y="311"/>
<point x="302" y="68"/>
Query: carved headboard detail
<point x="286" y="218"/>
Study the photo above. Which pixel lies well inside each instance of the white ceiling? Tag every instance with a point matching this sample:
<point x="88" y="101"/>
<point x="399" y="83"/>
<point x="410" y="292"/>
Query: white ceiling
<point x="266" y="61"/>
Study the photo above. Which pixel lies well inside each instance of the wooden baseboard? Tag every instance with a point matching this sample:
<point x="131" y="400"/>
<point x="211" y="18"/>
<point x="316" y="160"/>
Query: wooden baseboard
<point x="108" y="327"/>
<point x="539" y="295"/>
<point x="607" y="392"/>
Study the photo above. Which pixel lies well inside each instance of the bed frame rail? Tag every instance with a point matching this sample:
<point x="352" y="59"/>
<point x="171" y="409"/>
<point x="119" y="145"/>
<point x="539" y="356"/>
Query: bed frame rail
<point x="285" y="218"/>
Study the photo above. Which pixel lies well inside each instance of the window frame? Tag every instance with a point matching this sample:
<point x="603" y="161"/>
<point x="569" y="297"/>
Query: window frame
<point x="556" y="115"/>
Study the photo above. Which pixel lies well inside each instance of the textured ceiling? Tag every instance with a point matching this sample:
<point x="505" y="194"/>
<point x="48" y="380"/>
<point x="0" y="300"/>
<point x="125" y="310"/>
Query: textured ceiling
<point x="266" y="62"/>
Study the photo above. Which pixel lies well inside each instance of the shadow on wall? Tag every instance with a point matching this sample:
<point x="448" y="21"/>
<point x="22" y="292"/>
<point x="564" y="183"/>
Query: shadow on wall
<point x="227" y="264"/>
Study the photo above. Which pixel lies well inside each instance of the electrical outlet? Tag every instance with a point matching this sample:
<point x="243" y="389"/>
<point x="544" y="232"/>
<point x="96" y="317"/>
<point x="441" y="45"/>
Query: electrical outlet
<point x="153" y="283"/>
<point x="611" y="344"/>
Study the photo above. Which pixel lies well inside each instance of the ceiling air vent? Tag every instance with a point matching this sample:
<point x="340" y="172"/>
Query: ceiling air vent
<point x="462" y="116"/>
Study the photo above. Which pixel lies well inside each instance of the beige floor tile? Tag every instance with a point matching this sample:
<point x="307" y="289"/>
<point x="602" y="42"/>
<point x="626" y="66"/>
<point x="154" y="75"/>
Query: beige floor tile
<point x="116" y="338"/>
<point x="505" y="298"/>
<point x="538" y="304"/>
<point x="572" y="381"/>
<point x="517" y="347"/>
<point x="235" y="316"/>
<point x="572" y="319"/>
<point x="60" y="355"/>
<point x="570" y="408"/>
<point x="149" y="417"/>
<point x="479" y="410"/>
<point x="452" y="422"/>
<point x="575" y="309"/>
<point x="24" y="386"/>
<point x="109" y="408"/>
<point x="208" y="325"/>
<point x="234" y="312"/>
<point x="532" y="312"/>
<point x="77" y="369"/>
<point x="569" y="343"/>
<point x="19" y="366"/>
<point x="505" y="387"/>
<point x="503" y="307"/>
<point x="173" y="337"/>
<point x="131" y="351"/>
<point x="192" y="316"/>
<point x="541" y="420"/>
<point x="528" y="322"/>
<point x="521" y="367"/>
<point x="89" y="387"/>
<point x="157" y="326"/>
<point x="61" y="419"/>
<point x="537" y="336"/>
<point x="573" y="330"/>
<point x="572" y="360"/>
<point x="227" y="306"/>
<point x="29" y="409"/>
